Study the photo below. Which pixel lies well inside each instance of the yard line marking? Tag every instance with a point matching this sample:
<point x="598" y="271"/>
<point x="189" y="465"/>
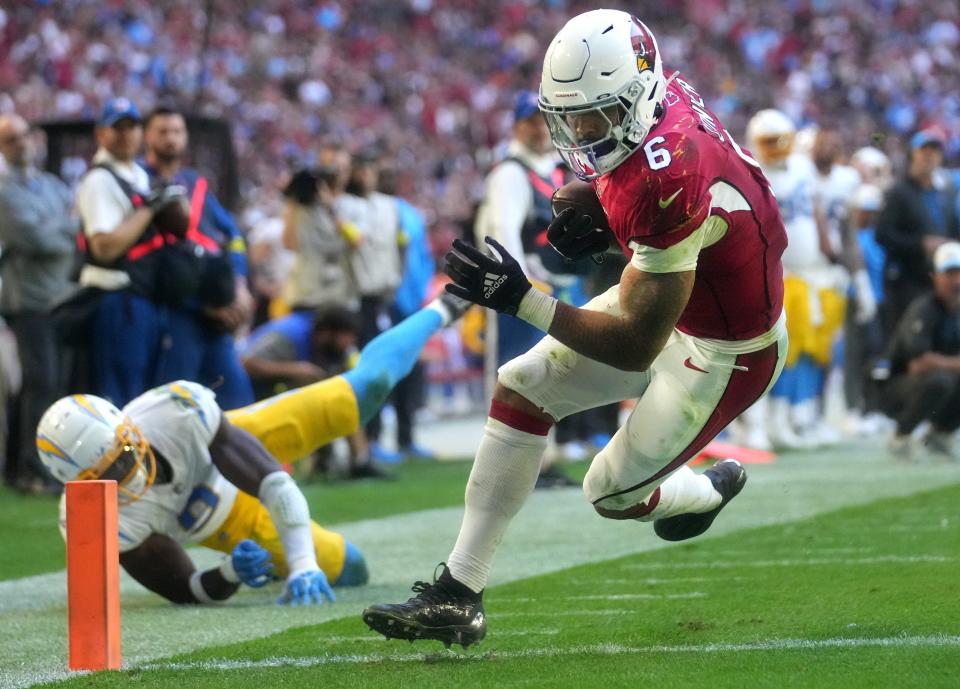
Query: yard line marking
<point x="934" y="641"/>
<point x="608" y="596"/>
<point x="565" y="613"/>
<point x="373" y="636"/>
<point x="649" y="581"/>
<point x="641" y="596"/>
<point x="814" y="561"/>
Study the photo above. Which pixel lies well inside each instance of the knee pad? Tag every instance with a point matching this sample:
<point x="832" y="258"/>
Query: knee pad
<point x="532" y="375"/>
<point x="354" y="571"/>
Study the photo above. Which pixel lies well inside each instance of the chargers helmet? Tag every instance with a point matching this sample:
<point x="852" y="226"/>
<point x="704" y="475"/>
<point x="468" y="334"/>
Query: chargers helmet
<point x="83" y="437"/>
<point x="601" y="90"/>
<point x="771" y="135"/>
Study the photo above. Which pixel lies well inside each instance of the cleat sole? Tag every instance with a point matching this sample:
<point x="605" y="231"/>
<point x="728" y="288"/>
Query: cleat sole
<point x="392" y="628"/>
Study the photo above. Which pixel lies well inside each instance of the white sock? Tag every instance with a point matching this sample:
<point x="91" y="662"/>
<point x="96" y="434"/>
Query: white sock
<point x="683" y="492"/>
<point x="503" y="475"/>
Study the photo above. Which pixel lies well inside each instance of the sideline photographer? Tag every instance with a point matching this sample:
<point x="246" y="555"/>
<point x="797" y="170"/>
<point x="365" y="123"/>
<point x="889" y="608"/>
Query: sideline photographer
<point x="321" y="274"/>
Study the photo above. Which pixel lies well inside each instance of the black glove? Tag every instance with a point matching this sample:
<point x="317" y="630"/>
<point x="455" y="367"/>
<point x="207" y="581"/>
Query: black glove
<point x="574" y="237"/>
<point x="163" y="196"/>
<point x="484" y="280"/>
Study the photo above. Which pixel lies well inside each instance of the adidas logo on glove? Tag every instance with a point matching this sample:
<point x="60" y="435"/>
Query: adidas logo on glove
<point x="491" y="282"/>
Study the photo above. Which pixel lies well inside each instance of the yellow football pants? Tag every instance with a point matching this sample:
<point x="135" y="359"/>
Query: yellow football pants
<point x="291" y="426"/>
<point x="811" y="326"/>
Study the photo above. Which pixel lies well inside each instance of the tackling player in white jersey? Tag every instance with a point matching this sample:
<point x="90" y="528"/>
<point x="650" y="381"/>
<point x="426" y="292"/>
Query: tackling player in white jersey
<point x="188" y="472"/>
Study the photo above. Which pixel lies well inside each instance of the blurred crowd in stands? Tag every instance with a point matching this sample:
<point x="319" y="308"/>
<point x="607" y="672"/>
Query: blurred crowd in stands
<point x="431" y="82"/>
<point x="364" y="132"/>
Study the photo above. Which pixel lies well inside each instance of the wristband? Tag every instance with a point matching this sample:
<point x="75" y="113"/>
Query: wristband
<point x="537" y="309"/>
<point x="228" y="572"/>
<point x="196" y="588"/>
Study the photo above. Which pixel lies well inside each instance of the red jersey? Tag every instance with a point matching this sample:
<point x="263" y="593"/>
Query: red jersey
<point x="688" y="169"/>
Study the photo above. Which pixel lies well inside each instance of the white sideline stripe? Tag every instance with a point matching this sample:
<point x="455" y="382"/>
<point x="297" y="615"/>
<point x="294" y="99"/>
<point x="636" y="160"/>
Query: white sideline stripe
<point x="379" y="639"/>
<point x="612" y="596"/>
<point x="567" y="613"/>
<point x="936" y="641"/>
<point x="812" y="562"/>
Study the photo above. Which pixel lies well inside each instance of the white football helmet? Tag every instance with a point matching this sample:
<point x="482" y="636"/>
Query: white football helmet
<point x="601" y="90"/>
<point x="873" y="165"/>
<point x="83" y="437"/>
<point x="770" y="136"/>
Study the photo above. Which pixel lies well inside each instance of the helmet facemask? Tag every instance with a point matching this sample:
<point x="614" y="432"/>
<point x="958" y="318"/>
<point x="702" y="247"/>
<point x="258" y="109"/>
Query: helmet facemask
<point x="129" y="461"/>
<point x="773" y="149"/>
<point x="613" y="136"/>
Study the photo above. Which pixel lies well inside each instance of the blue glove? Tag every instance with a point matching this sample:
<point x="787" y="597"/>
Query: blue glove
<point x="252" y="564"/>
<point x="498" y="284"/>
<point x="307" y="588"/>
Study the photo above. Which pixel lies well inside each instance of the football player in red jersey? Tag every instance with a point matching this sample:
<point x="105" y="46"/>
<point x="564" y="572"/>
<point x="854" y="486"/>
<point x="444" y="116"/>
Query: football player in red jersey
<point x="694" y="330"/>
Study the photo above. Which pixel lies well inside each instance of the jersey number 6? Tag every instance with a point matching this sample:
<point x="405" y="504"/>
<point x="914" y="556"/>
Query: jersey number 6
<point x="658" y="158"/>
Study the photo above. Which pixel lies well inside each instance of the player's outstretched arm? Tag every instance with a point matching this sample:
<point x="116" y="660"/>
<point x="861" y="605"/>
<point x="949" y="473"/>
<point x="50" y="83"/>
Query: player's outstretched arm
<point x="162" y="566"/>
<point x="246" y="463"/>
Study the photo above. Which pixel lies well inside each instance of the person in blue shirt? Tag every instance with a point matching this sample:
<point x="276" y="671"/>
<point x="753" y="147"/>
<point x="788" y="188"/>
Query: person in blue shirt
<point x="306" y="347"/>
<point x="200" y="344"/>
<point x="918" y="215"/>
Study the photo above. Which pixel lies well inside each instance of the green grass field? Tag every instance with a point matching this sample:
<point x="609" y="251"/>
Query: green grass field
<point x="832" y="570"/>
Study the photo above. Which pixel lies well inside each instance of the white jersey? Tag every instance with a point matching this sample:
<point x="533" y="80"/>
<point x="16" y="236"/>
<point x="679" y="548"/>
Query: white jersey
<point x="179" y="420"/>
<point x="833" y="194"/>
<point x="794" y="185"/>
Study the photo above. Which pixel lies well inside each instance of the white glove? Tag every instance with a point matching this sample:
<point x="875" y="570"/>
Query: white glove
<point x="866" y="300"/>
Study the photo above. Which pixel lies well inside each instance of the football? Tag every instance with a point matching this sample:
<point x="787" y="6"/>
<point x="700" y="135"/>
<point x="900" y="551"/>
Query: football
<point x="581" y="196"/>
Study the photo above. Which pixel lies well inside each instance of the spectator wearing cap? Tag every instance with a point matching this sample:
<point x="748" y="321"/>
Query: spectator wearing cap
<point x="918" y="215"/>
<point x="38" y="233"/>
<point x="924" y="360"/>
<point x="199" y="342"/>
<point x="515" y="210"/>
<point x="123" y="247"/>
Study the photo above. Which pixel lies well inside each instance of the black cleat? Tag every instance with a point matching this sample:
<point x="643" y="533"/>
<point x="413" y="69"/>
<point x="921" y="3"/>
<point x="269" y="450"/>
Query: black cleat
<point x="727" y="477"/>
<point x="445" y="611"/>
